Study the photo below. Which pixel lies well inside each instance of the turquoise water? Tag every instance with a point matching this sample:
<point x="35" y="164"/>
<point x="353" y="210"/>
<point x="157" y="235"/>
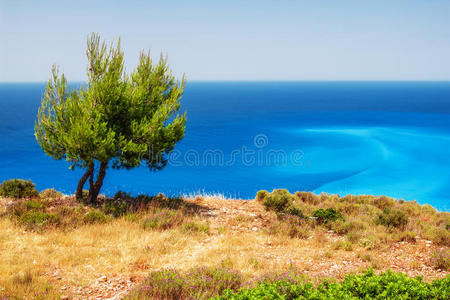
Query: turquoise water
<point x="388" y="138"/>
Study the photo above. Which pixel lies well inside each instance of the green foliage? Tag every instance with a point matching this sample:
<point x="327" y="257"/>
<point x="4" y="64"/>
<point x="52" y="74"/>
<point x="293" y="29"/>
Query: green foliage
<point x="326" y="215"/>
<point x="116" y="119"/>
<point x="294" y="211"/>
<point x="39" y="219"/>
<point x="384" y="202"/>
<point x="94" y="216"/>
<point x="192" y="227"/>
<point x="18" y="188"/>
<point x="199" y="283"/>
<point x="440" y="259"/>
<point x="308" y="197"/>
<point x="388" y="285"/>
<point x="260" y="195"/>
<point x="439" y="236"/>
<point x="392" y="218"/>
<point x="163" y="219"/>
<point x="278" y="200"/>
<point x="50" y="194"/>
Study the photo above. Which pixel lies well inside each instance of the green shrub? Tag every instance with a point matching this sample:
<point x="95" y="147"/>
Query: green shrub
<point x="383" y="202"/>
<point x="438" y="236"/>
<point x="344" y="227"/>
<point x="344" y="245"/>
<point x="278" y="200"/>
<point x="294" y="211"/>
<point x="308" y="197"/>
<point x="18" y="188"/>
<point x="392" y="218"/>
<point x="50" y="194"/>
<point x="163" y="219"/>
<point x="191" y="227"/>
<point x="94" y="216"/>
<point x="440" y="259"/>
<point x="116" y="207"/>
<point x="39" y="219"/>
<point x="260" y="195"/>
<point x="323" y="216"/>
<point x="34" y="205"/>
<point x="388" y="285"/>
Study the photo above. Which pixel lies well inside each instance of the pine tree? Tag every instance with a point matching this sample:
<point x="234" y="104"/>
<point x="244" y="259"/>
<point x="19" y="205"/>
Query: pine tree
<point x="115" y="120"/>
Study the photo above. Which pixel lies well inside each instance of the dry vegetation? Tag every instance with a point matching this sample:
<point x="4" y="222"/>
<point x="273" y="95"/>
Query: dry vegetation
<point x="52" y="247"/>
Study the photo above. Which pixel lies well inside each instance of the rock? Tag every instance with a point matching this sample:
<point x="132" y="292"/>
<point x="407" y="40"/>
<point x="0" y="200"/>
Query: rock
<point x="255" y="228"/>
<point x="102" y="278"/>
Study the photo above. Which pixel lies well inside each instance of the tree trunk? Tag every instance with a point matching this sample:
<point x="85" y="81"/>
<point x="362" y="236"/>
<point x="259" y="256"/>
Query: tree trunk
<point x="94" y="188"/>
<point x="84" y="178"/>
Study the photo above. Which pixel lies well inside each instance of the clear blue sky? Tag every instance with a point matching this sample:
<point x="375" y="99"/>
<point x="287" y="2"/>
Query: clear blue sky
<point x="235" y="40"/>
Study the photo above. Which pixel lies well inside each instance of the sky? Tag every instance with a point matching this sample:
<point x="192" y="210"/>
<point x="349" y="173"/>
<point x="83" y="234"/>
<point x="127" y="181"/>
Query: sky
<point x="234" y="40"/>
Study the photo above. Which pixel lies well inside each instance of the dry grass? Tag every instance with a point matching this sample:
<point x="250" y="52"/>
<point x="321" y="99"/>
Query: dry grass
<point x="109" y="259"/>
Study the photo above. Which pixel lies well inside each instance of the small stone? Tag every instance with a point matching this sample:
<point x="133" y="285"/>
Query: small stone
<point x="255" y="228"/>
<point x="102" y="278"/>
<point x="63" y="288"/>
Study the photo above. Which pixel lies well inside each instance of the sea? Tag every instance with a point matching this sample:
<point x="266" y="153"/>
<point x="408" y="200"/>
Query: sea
<point x="379" y="138"/>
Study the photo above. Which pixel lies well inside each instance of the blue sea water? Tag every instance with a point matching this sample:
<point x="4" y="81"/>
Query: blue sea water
<point x="388" y="138"/>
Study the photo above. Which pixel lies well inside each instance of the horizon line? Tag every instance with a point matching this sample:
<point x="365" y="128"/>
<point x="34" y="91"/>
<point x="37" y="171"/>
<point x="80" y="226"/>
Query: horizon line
<point x="262" y="80"/>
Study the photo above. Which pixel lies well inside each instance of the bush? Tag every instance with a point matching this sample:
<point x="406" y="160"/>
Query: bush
<point x="50" y="194"/>
<point x="260" y="195"/>
<point x="308" y="197"/>
<point x="199" y="283"/>
<point x="39" y="219"/>
<point x="190" y="227"/>
<point x="18" y="188"/>
<point x="383" y="202"/>
<point x="278" y="200"/>
<point x="440" y="259"/>
<point x="323" y="216"/>
<point x="344" y="227"/>
<point x="388" y="285"/>
<point x="116" y="207"/>
<point x="163" y="219"/>
<point x="392" y="218"/>
<point x="294" y="211"/>
<point x="438" y="236"/>
<point x="94" y="216"/>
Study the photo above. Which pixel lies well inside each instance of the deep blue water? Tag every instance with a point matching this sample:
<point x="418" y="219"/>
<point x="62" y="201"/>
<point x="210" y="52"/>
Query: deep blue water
<point x="387" y="138"/>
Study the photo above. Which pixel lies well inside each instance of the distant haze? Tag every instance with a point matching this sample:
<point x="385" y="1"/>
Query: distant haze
<point x="234" y="40"/>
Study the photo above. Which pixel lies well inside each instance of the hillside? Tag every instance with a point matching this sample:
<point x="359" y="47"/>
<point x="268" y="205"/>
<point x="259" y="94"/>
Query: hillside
<point x="54" y="247"/>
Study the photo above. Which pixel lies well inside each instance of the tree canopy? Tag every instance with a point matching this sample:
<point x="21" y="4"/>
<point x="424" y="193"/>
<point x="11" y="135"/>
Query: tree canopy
<point x="115" y="120"/>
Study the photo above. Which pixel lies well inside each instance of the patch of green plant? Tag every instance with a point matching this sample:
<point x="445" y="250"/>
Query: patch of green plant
<point x="278" y="201"/>
<point x="438" y="236"/>
<point x="39" y="219"/>
<point x="308" y="197"/>
<point x="440" y="259"/>
<point x="294" y="211"/>
<point x="323" y="216"/>
<point x="18" y="188"/>
<point x="191" y="227"/>
<point x="163" y="219"/>
<point x="260" y="195"/>
<point x="383" y="202"/>
<point x="392" y="218"/>
<point x="50" y="194"/>
<point x="94" y="216"/>
<point x="116" y="207"/>
<point x="388" y="285"/>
